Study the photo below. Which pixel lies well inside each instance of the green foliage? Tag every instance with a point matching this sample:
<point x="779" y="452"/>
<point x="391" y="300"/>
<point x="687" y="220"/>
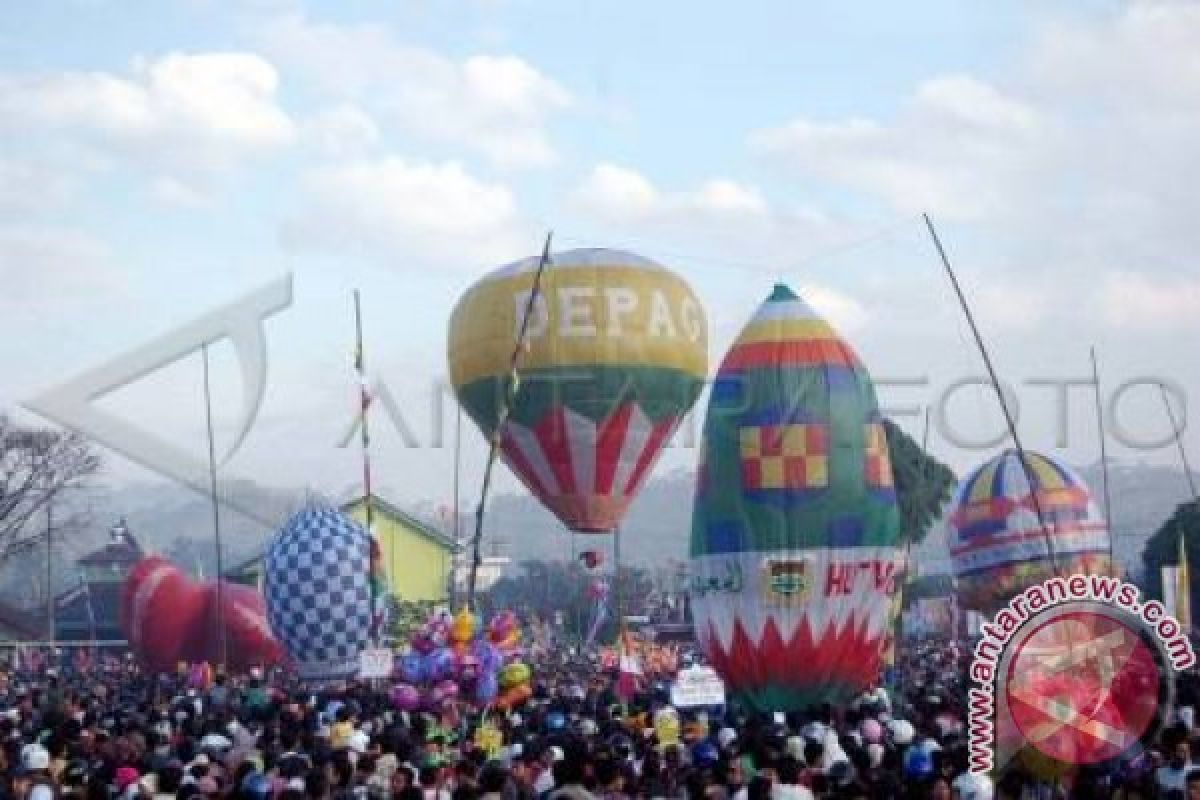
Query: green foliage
<point x="923" y="484"/>
<point x="1162" y="549"/>
<point x="928" y="586"/>
<point x="405" y="618"/>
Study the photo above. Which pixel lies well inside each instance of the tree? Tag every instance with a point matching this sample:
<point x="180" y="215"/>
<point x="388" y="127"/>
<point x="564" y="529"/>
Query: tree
<point x="923" y="484"/>
<point x="36" y="466"/>
<point x="1162" y="549"/>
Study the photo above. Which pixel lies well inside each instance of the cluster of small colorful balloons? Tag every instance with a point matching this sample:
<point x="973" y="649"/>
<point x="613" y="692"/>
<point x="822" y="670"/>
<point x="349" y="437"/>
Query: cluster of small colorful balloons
<point x="456" y="658"/>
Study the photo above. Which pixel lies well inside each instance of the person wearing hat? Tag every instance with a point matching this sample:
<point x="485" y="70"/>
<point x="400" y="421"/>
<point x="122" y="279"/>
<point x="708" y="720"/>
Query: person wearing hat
<point x="32" y="780"/>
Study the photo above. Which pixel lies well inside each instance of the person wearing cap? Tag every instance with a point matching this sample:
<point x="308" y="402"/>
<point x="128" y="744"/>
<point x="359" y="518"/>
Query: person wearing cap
<point x="32" y="780"/>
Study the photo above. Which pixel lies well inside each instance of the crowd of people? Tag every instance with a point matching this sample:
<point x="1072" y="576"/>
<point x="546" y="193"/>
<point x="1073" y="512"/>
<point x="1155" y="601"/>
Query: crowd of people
<point x="111" y="730"/>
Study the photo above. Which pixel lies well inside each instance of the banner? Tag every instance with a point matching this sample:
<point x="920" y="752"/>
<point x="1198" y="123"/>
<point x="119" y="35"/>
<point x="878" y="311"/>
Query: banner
<point x="375" y="663"/>
<point x="697" y="686"/>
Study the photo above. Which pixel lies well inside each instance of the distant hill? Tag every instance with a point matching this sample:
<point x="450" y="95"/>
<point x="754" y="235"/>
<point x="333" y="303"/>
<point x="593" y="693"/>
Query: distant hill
<point x="177" y="521"/>
<point x="165" y="518"/>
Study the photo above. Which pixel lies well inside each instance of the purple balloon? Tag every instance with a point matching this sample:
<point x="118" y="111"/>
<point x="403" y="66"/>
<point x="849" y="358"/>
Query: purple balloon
<point x="405" y="697"/>
<point x="442" y="664"/>
<point x="449" y="689"/>
<point x="413" y="668"/>
<point x="487" y="688"/>
<point x="490" y="659"/>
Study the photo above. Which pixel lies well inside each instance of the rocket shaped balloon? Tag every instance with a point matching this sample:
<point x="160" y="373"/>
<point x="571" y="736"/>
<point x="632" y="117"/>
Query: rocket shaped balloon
<point x="794" y="557"/>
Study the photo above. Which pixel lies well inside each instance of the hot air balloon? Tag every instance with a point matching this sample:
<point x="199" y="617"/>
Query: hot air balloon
<point x="795" y="521"/>
<point x="318" y="592"/>
<point x="999" y="546"/>
<point x="615" y="354"/>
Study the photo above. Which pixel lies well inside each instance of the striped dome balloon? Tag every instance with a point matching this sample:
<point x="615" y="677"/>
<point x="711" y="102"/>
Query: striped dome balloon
<point x="999" y="546"/>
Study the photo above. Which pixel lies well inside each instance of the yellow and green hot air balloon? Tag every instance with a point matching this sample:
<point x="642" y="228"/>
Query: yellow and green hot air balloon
<point x="615" y="354"/>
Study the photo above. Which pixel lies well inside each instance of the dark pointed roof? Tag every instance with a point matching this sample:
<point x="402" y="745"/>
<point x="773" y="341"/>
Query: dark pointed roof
<point x="122" y="549"/>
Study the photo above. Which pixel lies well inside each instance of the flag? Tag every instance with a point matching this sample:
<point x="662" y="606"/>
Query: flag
<point x="889" y="651"/>
<point x="1183" y="595"/>
<point x="629" y="667"/>
<point x="378" y="584"/>
<point x="1170" y="590"/>
<point x="376" y="576"/>
<point x="599" y="615"/>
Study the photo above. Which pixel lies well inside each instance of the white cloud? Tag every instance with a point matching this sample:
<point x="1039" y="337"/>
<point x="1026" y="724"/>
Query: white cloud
<point x="622" y="193"/>
<point x="342" y="131"/>
<point x="619" y="192"/>
<point x="44" y="266"/>
<point x="953" y="149"/>
<point x="846" y="314"/>
<point x="1077" y="162"/>
<point x="494" y="106"/>
<point x="407" y="214"/>
<point x="722" y="195"/>
<point x="172" y="192"/>
<point x="186" y="111"/>
<point x="31" y="186"/>
<point x="1134" y="299"/>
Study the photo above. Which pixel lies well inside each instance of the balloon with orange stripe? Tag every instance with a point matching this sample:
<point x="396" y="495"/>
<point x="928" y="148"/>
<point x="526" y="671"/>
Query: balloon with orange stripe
<point x="999" y="545"/>
<point x="794" y="559"/>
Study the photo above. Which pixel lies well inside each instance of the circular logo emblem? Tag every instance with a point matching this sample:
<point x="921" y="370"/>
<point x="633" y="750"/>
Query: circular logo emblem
<point x="1085" y="685"/>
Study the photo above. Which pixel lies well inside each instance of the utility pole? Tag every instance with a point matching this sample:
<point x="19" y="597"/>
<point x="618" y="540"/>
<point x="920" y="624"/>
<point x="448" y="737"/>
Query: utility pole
<point x="50" y="623"/>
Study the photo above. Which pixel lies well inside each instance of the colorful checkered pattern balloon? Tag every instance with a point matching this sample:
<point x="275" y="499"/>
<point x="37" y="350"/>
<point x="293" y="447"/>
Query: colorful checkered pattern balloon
<point x="318" y="592"/>
<point x="998" y="544"/>
<point x="794" y="530"/>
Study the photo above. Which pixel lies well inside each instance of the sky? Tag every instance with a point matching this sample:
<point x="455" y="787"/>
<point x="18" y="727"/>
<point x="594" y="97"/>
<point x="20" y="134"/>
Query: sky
<point x="159" y="161"/>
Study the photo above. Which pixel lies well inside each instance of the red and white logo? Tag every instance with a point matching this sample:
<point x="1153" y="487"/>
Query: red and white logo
<point x="1084" y="685"/>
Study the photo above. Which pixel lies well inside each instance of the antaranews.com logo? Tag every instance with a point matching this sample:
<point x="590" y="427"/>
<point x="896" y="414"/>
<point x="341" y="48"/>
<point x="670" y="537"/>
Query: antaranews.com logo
<point x="1075" y="670"/>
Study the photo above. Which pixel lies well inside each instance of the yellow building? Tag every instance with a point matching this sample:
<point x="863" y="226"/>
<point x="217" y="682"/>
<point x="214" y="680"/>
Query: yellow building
<point x="417" y="557"/>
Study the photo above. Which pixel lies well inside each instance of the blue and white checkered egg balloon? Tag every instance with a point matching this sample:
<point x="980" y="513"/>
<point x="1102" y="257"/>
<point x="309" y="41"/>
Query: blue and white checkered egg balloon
<point x="318" y="592"/>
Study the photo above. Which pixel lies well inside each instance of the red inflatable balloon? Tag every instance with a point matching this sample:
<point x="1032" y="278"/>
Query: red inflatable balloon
<point x="248" y="638"/>
<point x="160" y="611"/>
<point x="168" y="617"/>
